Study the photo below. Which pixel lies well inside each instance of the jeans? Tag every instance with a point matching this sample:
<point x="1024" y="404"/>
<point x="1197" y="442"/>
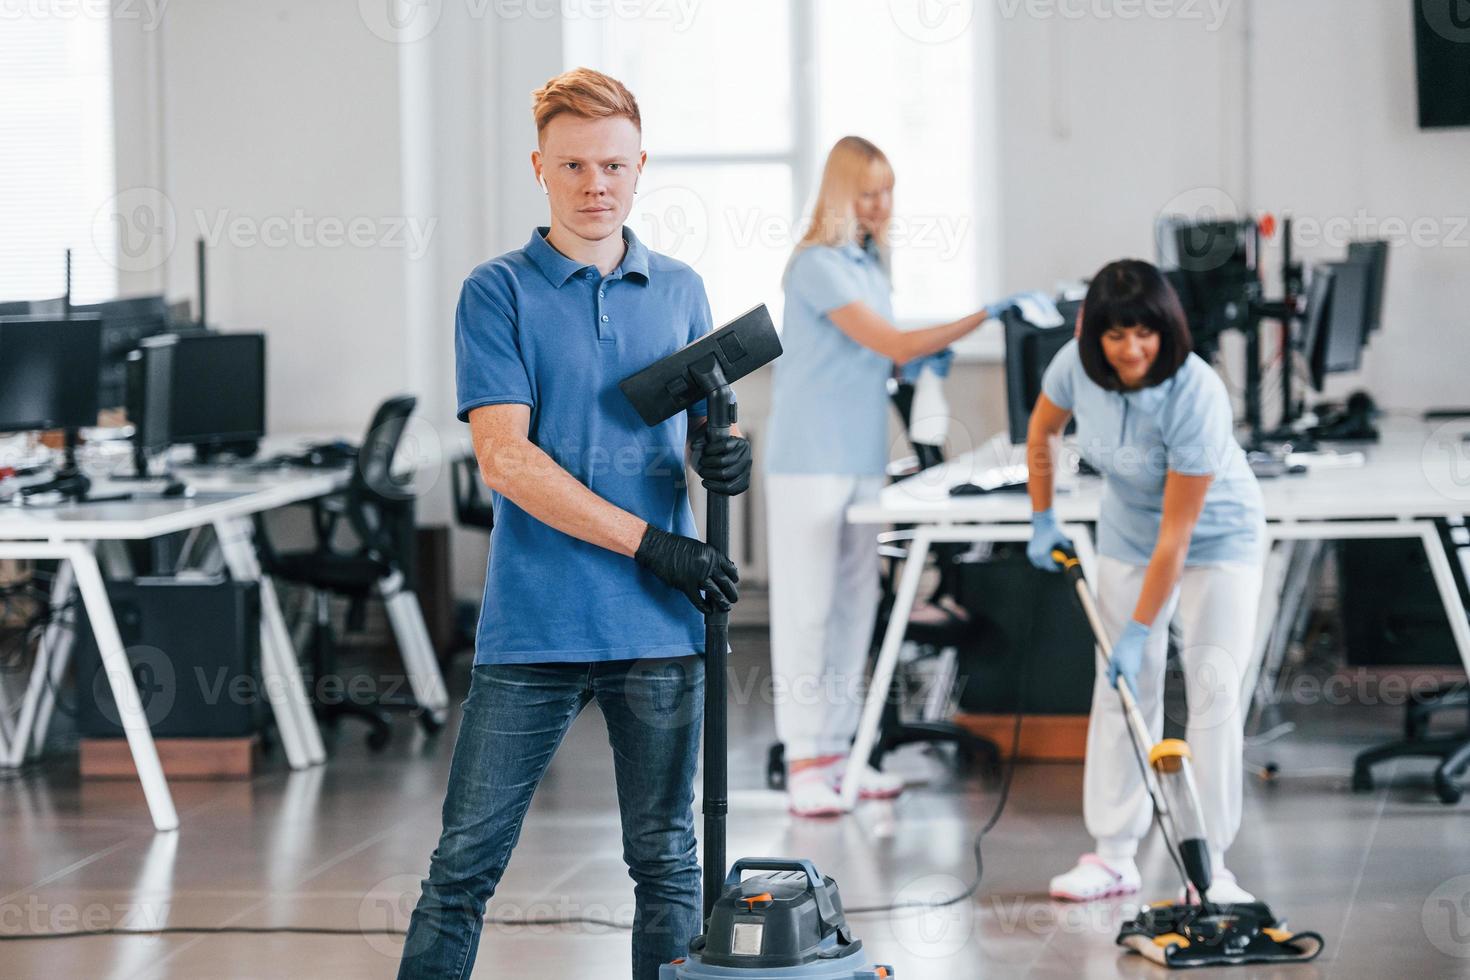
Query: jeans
<point x="513" y="721"/>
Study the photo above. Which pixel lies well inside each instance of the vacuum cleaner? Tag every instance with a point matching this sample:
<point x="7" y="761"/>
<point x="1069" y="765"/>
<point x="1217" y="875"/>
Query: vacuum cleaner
<point x="1199" y="932"/>
<point x="787" y="920"/>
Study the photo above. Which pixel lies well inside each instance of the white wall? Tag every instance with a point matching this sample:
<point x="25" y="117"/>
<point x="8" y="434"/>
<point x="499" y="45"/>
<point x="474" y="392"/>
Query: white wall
<point x="1335" y="133"/>
<point x="1109" y="122"/>
<point x="1104" y="123"/>
<point x="273" y="110"/>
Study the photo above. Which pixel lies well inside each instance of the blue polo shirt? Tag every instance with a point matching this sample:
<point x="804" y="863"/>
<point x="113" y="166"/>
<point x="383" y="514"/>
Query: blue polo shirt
<point x="536" y="328"/>
<point x="1136" y="438"/>
<point x="829" y="396"/>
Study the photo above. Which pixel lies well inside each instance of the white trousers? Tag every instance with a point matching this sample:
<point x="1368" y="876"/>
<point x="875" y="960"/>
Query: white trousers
<point x="1215" y="606"/>
<point x="824" y="601"/>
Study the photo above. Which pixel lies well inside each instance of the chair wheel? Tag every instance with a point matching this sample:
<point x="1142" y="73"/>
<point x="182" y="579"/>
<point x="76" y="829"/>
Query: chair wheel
<point x="377" y="738"/>
<point x="965" y="761"/>
<point x="1448" y="790"/>
<point x="431" y="723"/>
<point x="1362" y="779"/>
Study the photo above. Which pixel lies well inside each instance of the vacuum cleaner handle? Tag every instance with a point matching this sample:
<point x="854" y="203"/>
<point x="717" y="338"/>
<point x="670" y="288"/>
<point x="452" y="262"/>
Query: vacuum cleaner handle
<point x="773" y="864"/>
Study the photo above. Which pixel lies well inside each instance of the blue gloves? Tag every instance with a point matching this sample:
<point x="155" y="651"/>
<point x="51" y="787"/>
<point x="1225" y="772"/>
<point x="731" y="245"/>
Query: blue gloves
<point x="994" y="310"/>
<point x="938" y="363"/>
<point x="1046" y="535"/>
<point x="1038" y="307"/>
<point x="1127" y="657"/>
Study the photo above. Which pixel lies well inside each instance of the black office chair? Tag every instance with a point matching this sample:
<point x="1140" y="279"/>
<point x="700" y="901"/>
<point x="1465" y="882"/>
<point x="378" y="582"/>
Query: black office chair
<point x="1452" y="750"/>
<point x="1450" y="746"/>
<point x="939" y="634"/>
<point x="939" y="631"/>
<point x="471" y="505"/>
<point x="374" y="506"/>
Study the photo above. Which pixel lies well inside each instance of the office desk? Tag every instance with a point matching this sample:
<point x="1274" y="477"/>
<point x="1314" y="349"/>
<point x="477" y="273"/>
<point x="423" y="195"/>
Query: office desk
<point x="227" y="498"/>
<point x="1417" y="474"/>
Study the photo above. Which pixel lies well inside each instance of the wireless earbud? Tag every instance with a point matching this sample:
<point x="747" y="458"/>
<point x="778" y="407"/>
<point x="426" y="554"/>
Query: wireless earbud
<point x="542" y="181"/>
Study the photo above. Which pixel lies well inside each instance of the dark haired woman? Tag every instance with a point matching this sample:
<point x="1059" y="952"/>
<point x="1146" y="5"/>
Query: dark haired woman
<point x="1180" y="538"/>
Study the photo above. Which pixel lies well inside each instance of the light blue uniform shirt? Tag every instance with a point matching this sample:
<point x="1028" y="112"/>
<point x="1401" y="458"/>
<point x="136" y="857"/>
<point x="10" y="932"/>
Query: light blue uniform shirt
<point x="1135" y="438"/>
<point x="537" y="328"/>
<point x="829" y="401"/>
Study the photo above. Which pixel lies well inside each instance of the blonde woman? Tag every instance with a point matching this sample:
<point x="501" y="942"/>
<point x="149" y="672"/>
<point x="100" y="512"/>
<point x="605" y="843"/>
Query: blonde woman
<point x="828" y="449"/>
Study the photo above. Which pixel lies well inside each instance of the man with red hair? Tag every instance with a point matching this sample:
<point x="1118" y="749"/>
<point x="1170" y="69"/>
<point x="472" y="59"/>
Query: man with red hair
<point x="596" y="580"/>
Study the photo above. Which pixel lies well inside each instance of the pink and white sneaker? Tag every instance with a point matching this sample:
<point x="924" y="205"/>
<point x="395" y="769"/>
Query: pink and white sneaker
<point x="811" y="793"/>
<point x="1093" y="878"/>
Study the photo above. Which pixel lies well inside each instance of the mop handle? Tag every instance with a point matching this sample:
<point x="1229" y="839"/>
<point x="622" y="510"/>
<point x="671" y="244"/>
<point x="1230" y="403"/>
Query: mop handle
<point x="1137" y="729"/>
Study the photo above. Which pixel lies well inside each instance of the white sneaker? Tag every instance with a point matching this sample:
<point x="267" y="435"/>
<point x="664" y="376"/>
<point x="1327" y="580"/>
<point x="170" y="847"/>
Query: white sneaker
<point x="1224" y="890"/>
<point x="872" y="785"/>
<point x="1094" y="878"/>
<point x="811" y="793"/>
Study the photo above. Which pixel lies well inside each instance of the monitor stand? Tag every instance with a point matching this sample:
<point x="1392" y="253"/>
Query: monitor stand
<point x="217" y="452"/>
<point x="69" y="481"/>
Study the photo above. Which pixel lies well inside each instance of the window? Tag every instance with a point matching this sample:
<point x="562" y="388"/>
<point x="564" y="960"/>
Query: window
<point x="917" y="101"/>
<point x="57" y="169"/>
<point x="740" y="106"/>
<point x="719" y="128"/>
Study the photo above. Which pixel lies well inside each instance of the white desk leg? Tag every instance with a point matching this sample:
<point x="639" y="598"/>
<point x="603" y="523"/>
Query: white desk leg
<point x="300" y="737"/>
<point x="6" y="733"/>
<point x="124" y="691"/>
<point x="1277" y="564"/>
<point x="882" y="680"/>
<point x="415" y="647"/>
<point x="51" y="661"/>
<point x="1449" y="592"/>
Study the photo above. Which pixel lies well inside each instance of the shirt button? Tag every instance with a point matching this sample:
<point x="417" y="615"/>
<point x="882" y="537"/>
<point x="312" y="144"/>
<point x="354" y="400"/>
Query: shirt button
<point x="601" y="294"/>
<point x="604" y="318"/>
<point x="591" y="274"/>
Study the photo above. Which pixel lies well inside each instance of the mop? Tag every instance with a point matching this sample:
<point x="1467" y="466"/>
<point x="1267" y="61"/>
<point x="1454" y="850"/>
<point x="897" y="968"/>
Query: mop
<point x="1198" y="933"/>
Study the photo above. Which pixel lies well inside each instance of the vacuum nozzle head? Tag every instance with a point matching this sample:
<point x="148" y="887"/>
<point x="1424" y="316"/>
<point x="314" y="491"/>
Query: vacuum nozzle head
<point x="679" y="381"/>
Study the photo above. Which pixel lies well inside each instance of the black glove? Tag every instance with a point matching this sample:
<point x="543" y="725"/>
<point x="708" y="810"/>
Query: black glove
<point x="690" y="566"/>
<point x="723" y="464"/>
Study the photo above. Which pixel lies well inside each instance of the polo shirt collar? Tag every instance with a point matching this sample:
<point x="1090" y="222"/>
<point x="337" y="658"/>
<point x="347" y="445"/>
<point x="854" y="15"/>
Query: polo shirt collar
<point x="863" y="251"/>
<point x="558" y="268"/>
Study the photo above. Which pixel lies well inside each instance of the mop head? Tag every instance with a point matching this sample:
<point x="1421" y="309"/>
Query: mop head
<point x="1180" y="936"/>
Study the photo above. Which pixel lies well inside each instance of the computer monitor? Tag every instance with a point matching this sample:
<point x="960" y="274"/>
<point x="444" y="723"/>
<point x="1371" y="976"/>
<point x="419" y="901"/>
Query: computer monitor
<point x="1376" y="255"/>
<point x="125" y="322"/>
<point x="1211" y="265"/>
<point x="217" y="387"/>
<point x="1348" y="316"/>
<point x="1319" y="300"/>
<point x="1337" y="322"/>
<point x="181" y="316"/>
<point x="1029" y="349"/>
<point x="150" y="394"/>
<point x="41" y="358"/>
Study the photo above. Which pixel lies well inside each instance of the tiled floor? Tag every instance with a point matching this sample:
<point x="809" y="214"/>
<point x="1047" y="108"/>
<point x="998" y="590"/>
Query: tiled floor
<point x="1384" y="877"/>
